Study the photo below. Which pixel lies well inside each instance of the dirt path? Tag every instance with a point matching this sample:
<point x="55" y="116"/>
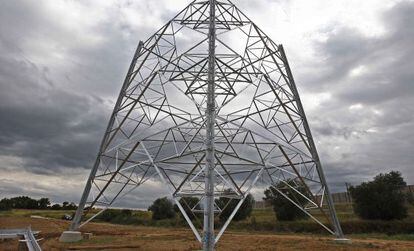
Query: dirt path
<point x="117" y="237"/>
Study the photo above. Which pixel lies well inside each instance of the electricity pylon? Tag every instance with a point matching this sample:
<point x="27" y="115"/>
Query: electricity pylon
<point x="209" y="107"/>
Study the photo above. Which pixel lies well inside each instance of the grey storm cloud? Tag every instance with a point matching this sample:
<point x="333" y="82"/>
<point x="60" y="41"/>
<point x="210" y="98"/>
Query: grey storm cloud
<point x="49" y="127"/>
<point x="53" y="116"/>
<point x="370" y="113"/>
<point x="385" y="60"/>
<point x="57" y="89"/>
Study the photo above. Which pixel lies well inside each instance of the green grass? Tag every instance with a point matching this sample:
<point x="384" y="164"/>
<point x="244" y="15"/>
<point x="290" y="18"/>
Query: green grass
<point x="397" y="237"/>
<point x="145" y="215"/>
<point x="264" y="220"/>
<point x="263" y="215"/>
<point x="54" y="214"/>
<point x="43" y="213"/>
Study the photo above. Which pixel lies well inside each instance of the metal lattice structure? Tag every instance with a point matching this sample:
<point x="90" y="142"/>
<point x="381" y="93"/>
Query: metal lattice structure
<point x="209" y="106"/>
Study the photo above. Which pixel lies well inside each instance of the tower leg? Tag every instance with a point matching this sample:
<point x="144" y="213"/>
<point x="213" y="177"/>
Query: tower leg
<point x="332" y="212"/>
<point x="208" y="230"/>
<point x="79" y="211"/>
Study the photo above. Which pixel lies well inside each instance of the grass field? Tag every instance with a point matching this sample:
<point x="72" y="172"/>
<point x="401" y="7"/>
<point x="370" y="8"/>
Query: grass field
<point x="259" y="232"/>
<point x="260" y="220"/>
<point x="120" y="237"/>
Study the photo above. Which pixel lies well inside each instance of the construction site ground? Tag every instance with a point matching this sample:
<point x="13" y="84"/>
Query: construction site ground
<point x="119" y="237"/>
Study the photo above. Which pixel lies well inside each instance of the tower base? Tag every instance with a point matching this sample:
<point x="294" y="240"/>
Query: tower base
<point x="343" y="241"/>
<point x="70" y="236"/>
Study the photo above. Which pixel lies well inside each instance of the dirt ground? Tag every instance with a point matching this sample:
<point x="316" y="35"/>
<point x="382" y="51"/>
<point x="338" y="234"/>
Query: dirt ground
<point x="117" y="237"/>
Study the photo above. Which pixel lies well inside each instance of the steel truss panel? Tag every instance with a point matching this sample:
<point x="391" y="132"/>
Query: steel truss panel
<point x="209" y="106"/>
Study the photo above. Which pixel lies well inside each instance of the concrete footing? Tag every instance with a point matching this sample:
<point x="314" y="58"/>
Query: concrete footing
<point x="70" y="236"/>
<point x="343" y="240"/>
<point x="87" y="236"/>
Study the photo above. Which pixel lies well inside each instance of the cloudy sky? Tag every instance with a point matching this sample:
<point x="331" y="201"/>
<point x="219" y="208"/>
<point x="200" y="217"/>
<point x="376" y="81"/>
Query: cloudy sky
<point x="62" y="63"/>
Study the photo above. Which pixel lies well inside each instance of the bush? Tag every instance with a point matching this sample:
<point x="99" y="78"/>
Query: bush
<point x="377" y="226"/>
<point x="110" y="214"/>
<point x="349" y="227"/>
<point x="188" y="203"/>
<point x="5" y="204"/>
<point x="162" y="208"/>
<point x="56" y="207"/>
<point x="43" y="203"/>
<point x="382" y="198"/>
<point x="228" y="206"/>
<point x="24" y="202"/>
<point x="121" y="216"/>
<point x="283" y="208"/>
<point x="69" y="206"/>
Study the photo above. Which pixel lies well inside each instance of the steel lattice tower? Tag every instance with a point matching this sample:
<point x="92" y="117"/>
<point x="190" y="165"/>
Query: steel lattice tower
<point x="210" y="107"/>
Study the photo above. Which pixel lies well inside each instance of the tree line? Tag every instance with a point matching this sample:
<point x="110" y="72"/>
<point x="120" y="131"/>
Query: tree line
<point x="163" y="208"/>
<point x="379" y="199"/>
<point x="25" y="202"/>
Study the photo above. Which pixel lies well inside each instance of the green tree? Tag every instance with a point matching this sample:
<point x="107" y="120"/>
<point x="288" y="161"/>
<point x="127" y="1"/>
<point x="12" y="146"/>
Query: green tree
<point x="188" y="203"/>
<point x="381" y="199"/>
<point x="43" y="203"/>
<point x="69" y="206"/>
<point x="162" y="208"/>
<point x="5" y="204"/>
<point x="284" y="209"/>
<point x="24" y="202"/>
<point x="72" y="206"/>
<point x="228" y="205"/>
<point x="120" y="216"/>
<point x="56" y="207"/>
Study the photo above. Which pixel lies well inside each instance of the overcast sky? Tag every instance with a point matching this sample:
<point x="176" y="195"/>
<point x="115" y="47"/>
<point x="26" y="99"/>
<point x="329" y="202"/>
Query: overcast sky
<point x="62" y="63"/>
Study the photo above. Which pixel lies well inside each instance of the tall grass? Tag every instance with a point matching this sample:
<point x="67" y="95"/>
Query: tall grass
<point x="260" y="220"/>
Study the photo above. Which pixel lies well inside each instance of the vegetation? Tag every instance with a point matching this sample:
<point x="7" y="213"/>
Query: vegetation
<point x="117" y="216"/>
<point x="162" y="208"/>
<point x="111" y="237"/>
<point x="188" y="204"/>
<point x="5" y="205"/>
<point x="260" y="220"/>
<point x="382" y="198"/>
<point x="65" y="206"/>
<point x="228" y="206"/>
<point x="268" y="219"/>
<point x="25" y="202"/>
<point x="283" y="208"/>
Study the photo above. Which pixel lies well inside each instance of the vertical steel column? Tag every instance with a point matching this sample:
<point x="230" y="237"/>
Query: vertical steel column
<point x="79" y="211"/>
<point x="208" y="230"/>
<point x="315" y="156"/>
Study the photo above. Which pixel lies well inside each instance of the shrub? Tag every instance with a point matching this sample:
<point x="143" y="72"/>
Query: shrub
<point x="43" y="203"/>
<point x="69" y="206"/>
<point x="5" y="204"/>
<point x="382" y="198"/>
<point x="228" y="205"/>
<point x="283" y="208"/>
<point x="410" y="198"/>
<point x="349" y="227"/>
<point x="162" y="208"/>
<point x="188" y="203"/>
<point x="24" y="202"/>
<point x="56" y="207"/>
<point x="117" y="216"/>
